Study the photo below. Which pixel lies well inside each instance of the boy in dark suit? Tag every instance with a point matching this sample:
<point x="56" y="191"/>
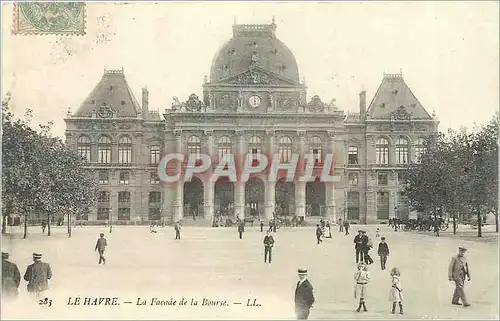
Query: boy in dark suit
<point x="268" y="246"/>
<point x="304" y="298"/>
<point x="383" y="252"/>
<point x="319" y="232"/>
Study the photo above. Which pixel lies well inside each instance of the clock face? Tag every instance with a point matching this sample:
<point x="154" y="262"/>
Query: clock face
<point x="254" y="101"/>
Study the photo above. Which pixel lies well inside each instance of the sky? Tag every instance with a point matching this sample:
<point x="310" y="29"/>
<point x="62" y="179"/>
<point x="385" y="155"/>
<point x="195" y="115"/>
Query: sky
<point x="448" y="53"/>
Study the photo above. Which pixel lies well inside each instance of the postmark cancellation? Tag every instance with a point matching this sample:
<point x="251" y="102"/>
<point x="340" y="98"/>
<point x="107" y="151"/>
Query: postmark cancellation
<point x="46" y="18"/>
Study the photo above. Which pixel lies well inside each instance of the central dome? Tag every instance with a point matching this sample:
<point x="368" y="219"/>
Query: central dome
<point x="254" y="44"/>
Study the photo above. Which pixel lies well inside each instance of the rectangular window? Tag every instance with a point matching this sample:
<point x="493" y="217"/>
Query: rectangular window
<point x="352" y="155"/>
<point x="84" y="152"/>
<point x="124" y="177"/>
<point x="104" y="154"/>
<point x="124" y="214"/>
<point x="285" y="155"/>
<point x="103" y="214"/>
<point x="154" y="178"/>
<point x="123" y="197"/>
<point x="103" y="177"/>
<point x="353" y="179"/>
<point x="353" y="205"/>
<point x="382" y="178"/>
<point x="401" y="178"/>
<point x="155" y="154"/>
<point x="316" y="154"/>
<point x="103" y="197"/>
<point x="383" y="155"/>
<point x="382" y="205"/>
<point x="154" y="214"/>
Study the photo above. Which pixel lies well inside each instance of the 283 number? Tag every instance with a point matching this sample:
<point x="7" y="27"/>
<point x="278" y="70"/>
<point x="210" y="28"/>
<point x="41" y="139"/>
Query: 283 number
<point x="46" y="302"/>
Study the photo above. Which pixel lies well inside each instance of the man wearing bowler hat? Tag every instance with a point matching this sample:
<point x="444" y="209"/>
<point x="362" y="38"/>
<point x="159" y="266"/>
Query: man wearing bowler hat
<point x="304" y="297"/>
<point x="37" y="275"/>
<point x="457" y="271"/>
<point x="10" y="277"/>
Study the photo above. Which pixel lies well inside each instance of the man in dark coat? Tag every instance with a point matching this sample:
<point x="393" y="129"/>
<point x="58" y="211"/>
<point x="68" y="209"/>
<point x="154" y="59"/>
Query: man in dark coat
<point x="457" y="271"/>
<point x="177" y="228"/>
<point x="268" y="246"/>
<point x="241" y="229"/>
<point x="383" y="252"/>
<point x="366" y="246"/>
<point x="10" y="277"/>
<point x="37" y="276"/>
<point x="358" y="245"/>
<point x="319" y="232"/>
<point x="101" y="246"/>
<point x="261" y="226"/>
<point x="304" y="297"/>
<point x="347" y="226"/>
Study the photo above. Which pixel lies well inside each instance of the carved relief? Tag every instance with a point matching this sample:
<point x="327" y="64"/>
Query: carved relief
<point x="286" y="101"/>
<point x="401" y="114"/>
<point x="226" y="100"/>
<point x="256" y="77"/>
<point x="193" y="103"/>
<point x="316" y="105"/>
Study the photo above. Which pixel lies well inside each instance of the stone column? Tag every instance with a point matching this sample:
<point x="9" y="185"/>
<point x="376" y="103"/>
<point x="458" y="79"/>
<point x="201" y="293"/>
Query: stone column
<point x="330" y="186"/>
<point x="269" y="197"/>
<point x="371" y="207"/>
<point x="392" y="203"/>
<point x="300" y="187"/>
<point x="208" y="185"/>
<point x="239" y="187"/>
<point x="179" y="187"/>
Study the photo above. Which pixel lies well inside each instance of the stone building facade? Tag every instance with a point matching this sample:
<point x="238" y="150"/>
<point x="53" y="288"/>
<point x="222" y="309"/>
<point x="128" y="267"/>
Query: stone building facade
<point x="253" y="103"/>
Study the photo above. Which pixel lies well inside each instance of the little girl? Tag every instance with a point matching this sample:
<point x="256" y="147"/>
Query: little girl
<point x="396" y="291"/>
<point x="362" y="277"/>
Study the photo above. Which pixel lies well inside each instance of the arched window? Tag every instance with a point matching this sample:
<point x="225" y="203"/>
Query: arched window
<point x="285" y="149"/>
<point x="402" y="151"/>
<point x="315" y="149"/>
<point x="194" y="147"/>
<point x="382" y="148"/>
<point x="419" y="149"/>
<point x="352" y="156"/>
<point x="224" y="146"/>
<point x="104" y="150"/>
<point x="154" y="153"/>
<point x="254" y="148"/>
<point x="84" y="148"/>
<point x="125" y="150"/>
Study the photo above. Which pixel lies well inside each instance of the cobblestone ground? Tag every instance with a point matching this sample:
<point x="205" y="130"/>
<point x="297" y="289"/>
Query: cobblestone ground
<point x="214" y="264"/>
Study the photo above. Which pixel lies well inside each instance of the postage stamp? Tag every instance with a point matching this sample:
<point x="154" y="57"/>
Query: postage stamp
<point x="46" y="18"/>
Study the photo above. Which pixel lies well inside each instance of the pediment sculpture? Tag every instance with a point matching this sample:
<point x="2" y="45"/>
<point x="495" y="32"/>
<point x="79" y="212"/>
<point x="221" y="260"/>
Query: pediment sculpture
<point x="316" y="105"/>
<point x="193" y="104"/>
<point x="401" y="114"/>
<point x="256" y="76"/>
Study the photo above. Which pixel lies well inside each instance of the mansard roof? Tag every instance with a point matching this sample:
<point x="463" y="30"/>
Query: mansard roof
<point x="392" y="94"/>
<point x="113" y="91"/>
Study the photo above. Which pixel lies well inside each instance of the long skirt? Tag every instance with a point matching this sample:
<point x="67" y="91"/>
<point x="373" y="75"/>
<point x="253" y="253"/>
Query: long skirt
<point x="360" y="291"/>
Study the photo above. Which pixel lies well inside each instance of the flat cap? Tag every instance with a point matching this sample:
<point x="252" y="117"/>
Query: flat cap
<point x="37" y="256"/>
<point x="462" y="249"/>
<point x="302" y="271"/>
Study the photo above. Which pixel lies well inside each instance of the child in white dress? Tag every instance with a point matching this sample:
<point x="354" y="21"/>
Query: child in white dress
<point x="362" y="277"/>
<point x="396" y="291"/>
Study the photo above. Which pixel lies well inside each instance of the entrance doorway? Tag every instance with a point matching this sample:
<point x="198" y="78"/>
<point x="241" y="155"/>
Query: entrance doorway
<point x="254" y="197"/>
<point x="193" y="197"/>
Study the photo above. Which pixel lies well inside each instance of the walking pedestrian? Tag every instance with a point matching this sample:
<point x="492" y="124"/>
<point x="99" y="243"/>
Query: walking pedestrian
<point x="177" y="228"/>
<point x="358" y="239"/>
<point x="396" y="291"/>
<point x="457" y="271"/>
<point x="101" y="246"/>
<point x="366" y="246"/>
<point x="241" y="229"/>
<point x="261" y="226"/>
<point x="37" y="276"/>
<point x="304" y="297"/>
<point x="377" y="232"/>
<point x="10" y="278"/>
<point x="362" y="277"/>
<point x="44" y="225"/>
<point x="347" y="225"/>
<point x="328" y="227"/>
<point x="341" y="226"/>
<point x="268" y="247"/>
<point x="383" y="252"/>
<point x="319" y="232"/>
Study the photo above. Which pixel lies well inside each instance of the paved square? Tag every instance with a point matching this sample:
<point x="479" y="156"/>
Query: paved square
<point x="214" y="264"/>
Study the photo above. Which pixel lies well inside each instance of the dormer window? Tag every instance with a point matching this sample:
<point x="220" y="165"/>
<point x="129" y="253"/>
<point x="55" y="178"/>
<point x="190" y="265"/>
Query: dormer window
<point x="274" y="51"/>
<point x="395" y="92"/>
<point x="232" y="51"/>
<point x="382" y="105"/>
<point x="413" y="105"/>
<point x="123" y="102"/>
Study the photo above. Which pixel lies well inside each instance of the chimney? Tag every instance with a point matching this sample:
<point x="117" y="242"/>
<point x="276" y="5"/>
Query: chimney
<point x="145" y="100"/>
<point x="362" y="103"/>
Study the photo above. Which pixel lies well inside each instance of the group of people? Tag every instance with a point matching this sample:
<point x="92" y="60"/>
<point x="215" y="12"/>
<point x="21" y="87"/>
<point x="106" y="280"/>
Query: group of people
<point x="37" y="275"/>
